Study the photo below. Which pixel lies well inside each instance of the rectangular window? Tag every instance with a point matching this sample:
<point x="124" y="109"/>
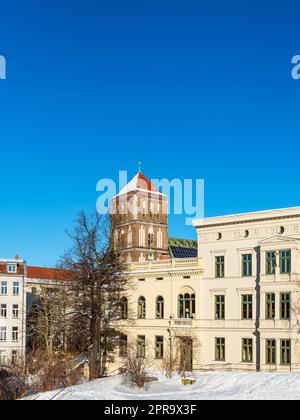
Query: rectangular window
<point x="4" y="288"/>
<point x="159" y="347"/>
<point x="15" y="311"/>
<point x="123" y="345"/>
<point x="285" y="352"/>
<point x="2" y="357"/>
<point x="285" y="305"/>
<point x="15" y="334"/>
<point x="247" y="307"/>
<point x="16" y="288"/>
<point x="220" y="307"/>
<point x="247" y="350"/>
<point x="220" y="349"/>
<point x="3" y="311"/>
<point x="3" y="334"/>
<point x="141" y="346"/>
<point x="271" y="262"/>
<point x="270" y="306"/>
<point x="285" y="262"/>
<point x="247" y="265"/>
<point x="12" y="268"/>
<point x="220" y="266"/>
<point x="14" y="357"/>
<point x="271" y="352"/>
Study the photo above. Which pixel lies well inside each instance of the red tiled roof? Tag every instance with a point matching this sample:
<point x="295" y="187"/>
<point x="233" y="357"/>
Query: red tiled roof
<point x="144" y="183"/>
<point x="48" y="274"/>
<point x="140" y="183"/>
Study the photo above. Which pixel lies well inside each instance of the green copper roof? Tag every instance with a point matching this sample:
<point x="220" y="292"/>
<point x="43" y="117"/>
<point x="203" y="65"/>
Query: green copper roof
<point x="183" y="243"/>
<point x="183" y="248"/>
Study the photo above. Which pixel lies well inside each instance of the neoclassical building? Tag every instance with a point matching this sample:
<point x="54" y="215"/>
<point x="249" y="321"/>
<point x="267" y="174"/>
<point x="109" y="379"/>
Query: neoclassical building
<point x="233" y="304"/>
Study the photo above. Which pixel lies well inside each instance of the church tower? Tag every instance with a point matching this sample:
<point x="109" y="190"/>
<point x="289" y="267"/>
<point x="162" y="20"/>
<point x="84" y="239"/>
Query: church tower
<point x="139" y="216"/>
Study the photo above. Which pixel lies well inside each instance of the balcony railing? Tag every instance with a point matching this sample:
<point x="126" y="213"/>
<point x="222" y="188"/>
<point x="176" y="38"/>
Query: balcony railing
<point x="165" y="264"/>
<point x="182" y="322"/>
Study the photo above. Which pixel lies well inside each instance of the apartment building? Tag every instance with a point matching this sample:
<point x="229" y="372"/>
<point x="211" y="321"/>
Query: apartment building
<point x="12" y="310"/>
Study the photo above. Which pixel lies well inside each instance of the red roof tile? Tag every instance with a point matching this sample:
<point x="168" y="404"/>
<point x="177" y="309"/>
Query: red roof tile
<point x="48" y="274"/>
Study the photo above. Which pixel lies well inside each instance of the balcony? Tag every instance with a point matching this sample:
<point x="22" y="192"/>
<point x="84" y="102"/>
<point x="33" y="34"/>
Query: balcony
<point x="165" y="264"/>
<point x="180" y="323"/>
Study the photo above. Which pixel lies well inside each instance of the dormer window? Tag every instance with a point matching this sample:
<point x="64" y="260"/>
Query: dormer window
<point x="12" y="268"/>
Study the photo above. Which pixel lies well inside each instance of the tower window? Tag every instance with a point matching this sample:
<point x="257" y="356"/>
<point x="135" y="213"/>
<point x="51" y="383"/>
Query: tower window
<point x="150" y="238"/>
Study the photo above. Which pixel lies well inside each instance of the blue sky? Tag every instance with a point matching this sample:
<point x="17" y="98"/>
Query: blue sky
<point x="194" y="89"/>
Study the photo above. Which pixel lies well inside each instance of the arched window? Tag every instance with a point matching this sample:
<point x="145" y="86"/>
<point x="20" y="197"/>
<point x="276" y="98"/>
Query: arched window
<point x="142" y="236"/>
<point x="122" y="239"/>
<point x="160" y="307"/>
<point x="159" y="238"/>
<point x="186" y="305"/>
<point x="124" y="308"/>
<point x="129" y="237"/>
<point x="150" y="237"/>
<point x="142" y="308"/>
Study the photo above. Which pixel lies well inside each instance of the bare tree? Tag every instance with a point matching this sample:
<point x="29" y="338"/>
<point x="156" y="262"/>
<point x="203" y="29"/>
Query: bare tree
<point x="98" y="285"/>
<point x="49" y="316"/>
<point x="136" y="367"/>
<point x="170" y="363"/>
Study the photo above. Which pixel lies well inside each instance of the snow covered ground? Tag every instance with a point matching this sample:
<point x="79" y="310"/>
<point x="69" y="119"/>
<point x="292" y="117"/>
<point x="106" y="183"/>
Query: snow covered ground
<point x="209" y="386"/>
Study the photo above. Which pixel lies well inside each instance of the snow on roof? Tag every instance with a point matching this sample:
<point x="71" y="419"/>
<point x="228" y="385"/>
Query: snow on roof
<point x="140" y="183"/>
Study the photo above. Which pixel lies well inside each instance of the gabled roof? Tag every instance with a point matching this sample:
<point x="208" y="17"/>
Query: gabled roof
<point x="43" y="273"/>
<point x="140" y="183"/>
<point x="278" y="239"/>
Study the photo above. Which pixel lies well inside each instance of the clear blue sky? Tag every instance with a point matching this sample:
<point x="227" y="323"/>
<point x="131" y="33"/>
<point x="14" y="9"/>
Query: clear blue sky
<point x="195" y="89"/>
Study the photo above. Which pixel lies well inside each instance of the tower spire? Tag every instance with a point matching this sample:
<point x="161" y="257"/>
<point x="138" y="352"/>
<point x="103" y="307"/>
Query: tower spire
<point x="140" y="166"/>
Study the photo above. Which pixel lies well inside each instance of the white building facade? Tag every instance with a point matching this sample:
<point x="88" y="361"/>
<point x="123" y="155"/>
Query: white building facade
<point x="12" y="311"/>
